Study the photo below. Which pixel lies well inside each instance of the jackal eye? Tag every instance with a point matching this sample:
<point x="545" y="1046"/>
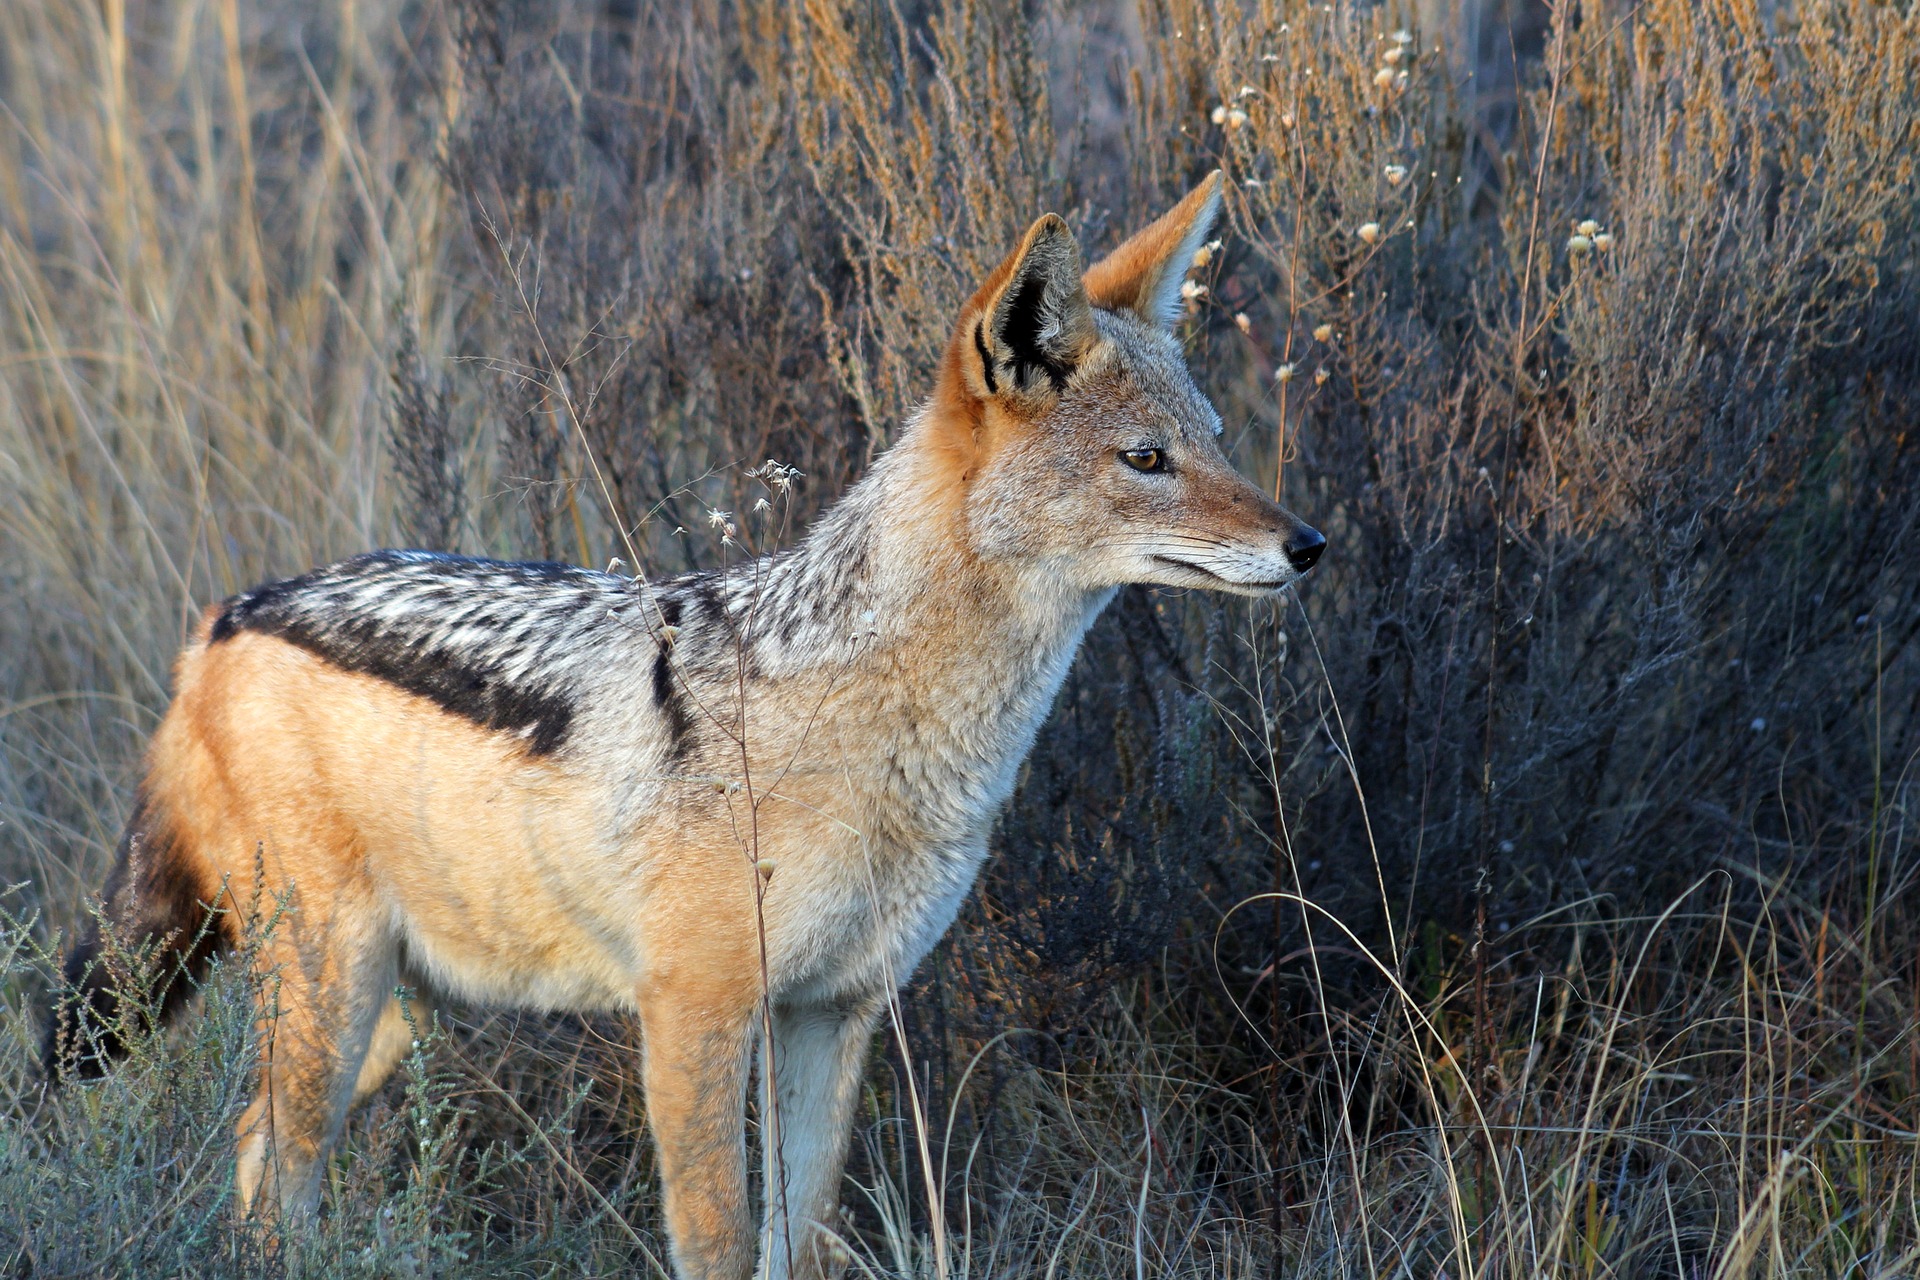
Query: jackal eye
<point x="1144" y="459"/>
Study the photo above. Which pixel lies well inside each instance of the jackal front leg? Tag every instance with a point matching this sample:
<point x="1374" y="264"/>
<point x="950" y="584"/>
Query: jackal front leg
<point x="819" y="1053"/>
<point x="696" y="1046"/>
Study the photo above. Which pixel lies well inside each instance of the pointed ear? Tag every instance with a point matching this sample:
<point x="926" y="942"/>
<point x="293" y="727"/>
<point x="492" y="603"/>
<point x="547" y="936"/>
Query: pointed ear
<point x="1144" y="275"/>
<point x="1028" y="326"/>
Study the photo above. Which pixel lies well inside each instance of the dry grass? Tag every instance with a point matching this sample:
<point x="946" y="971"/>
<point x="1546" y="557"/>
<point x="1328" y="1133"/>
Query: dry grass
<point x="1532" y="897"/>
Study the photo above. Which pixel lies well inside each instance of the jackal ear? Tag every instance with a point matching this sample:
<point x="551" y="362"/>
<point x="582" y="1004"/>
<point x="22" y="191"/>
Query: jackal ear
<point x="1144" y="275"/>
<point x="1029" y="324"/>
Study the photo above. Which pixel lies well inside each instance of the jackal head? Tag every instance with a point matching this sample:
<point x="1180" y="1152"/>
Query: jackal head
<point x="1080" y="438"/>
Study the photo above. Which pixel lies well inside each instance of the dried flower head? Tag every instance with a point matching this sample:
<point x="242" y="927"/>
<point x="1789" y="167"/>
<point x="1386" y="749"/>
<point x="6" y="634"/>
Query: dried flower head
<point x="1323" y="333"/>
<point x="1603" y="241"/>
<point x="1578" y="247"/>
<point x="1369" y="232"/>
<point x="1383" y="78"/>
<point x="1286" y="119"/>
<point x="717" y="519"/>
<point x="1192" y="290"/>
<point x="1283" y="374"/>
<point x="1236" y="118"/>
<point x="1241" y="322"/>
<point x="1220" y="115"/>
<point x="1587" y="227"/>
<point x="1403" y="36"/>
<point x="1396" y="174"/>
<point x="1393" y="55"/>
<point x="1321" y="374"/>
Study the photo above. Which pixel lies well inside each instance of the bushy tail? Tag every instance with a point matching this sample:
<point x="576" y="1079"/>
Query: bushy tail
<point x="158" y="928"/>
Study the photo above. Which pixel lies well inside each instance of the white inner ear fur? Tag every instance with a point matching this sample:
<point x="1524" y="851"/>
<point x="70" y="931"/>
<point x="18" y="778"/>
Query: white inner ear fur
<point x="1162" y="301"/>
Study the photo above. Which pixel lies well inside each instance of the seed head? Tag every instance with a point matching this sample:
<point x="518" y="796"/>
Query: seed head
<point x="1578" y="247"/>
<point x="1236" y="118"/>
<point x="1370" y="232"/>
<point x="1587" y="227"/>
<point x="1286" y="119"/>
<point x="717" y="519"/>
<point x="1220" y="114"/>
<point x="1203" y="255"/>
<point x="1323" y="333"/>
<point x="1283" y="374"/>
<point x="1396" y="174"/>
<point x="1241" y="322"/>
<point x="1603" y="241"/>
<point x="765" y="868"/>
<point x="1192" y="290"/>
<point x="1320" y="375"/>
<point x="1248" y="91"/>
<point x="1403" y="36"/>
<point x="1393" y="55"/>
<point x="1383" y="78"/>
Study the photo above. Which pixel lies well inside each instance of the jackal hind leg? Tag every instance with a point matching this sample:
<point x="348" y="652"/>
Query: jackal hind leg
<point x="327" y="975"/>
<point x="391" y="1041"/>
<point x="819" y="1057"/>
<point x="696" y="1048"/>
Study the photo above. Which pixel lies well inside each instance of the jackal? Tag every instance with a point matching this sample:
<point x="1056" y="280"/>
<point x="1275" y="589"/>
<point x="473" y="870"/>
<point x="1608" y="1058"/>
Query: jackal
<point x="542" y="786"/>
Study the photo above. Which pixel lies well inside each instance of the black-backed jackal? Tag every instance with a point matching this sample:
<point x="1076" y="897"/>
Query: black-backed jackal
<point x="538" y="785"/>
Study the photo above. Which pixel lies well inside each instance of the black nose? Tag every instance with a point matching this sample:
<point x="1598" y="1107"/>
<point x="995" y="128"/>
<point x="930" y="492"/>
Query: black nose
<point x="1304" y="548"/>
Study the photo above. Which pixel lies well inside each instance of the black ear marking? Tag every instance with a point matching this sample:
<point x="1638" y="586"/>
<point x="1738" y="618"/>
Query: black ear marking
<point x="986" y="358"/>
<point x="1023" y="330"/>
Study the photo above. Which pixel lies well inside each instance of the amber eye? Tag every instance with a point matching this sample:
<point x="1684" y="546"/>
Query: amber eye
<point x="1144" y="459"/>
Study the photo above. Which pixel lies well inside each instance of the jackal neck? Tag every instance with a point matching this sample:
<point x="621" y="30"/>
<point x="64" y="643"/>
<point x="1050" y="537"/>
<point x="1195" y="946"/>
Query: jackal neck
<point x="888" y="584"/>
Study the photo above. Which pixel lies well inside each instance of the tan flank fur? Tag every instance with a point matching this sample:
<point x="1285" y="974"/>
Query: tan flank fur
<point x="541" y="786"/>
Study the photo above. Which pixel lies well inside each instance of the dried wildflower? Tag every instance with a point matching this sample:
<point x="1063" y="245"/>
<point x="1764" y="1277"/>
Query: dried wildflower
<point x="1220" y="115"/>
<point x="1400" y="81"/>
<point x="1203" y="255"/>
<point x="1192" y="290"/>
<point x="1393" y="55"/>
<point x="765" y="867"/>
<point x="1578" y="247"/>
<point x="1587" y="227"/>
<point x="761" y="506"/>
<point x="1269" y="57"/>
<point x="1403" y="36"/>
<point x="1383" y="78"/>
<point x="1370" y="232"/>
<point x="1283" y="374"/>
<point x="1236" y="118"/>
<point x="1323" y="333"/>
<point x="1241" y="322"/>
<point x="1603" y="241"/>
<point x="1321" y="374"/>
<point x="1248" y="91"/>
<point x="1253" y="184"/>
<point x="717" y="519"/>
<point x="668" y="634"/>
<point x="1396" y="174"/>
<point x="1286" y="119"/>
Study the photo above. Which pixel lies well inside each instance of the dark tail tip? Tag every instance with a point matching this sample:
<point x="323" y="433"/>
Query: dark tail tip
<point x="140" y="958"/>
